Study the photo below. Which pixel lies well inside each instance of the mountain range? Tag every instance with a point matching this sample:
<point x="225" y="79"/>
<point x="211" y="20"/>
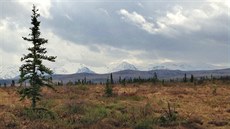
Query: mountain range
<point x="10" y="72"/>
<point x="127" y="74"/>
<point x="182" y="66"/>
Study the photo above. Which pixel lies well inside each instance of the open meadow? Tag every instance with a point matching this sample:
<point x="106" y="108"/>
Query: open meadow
<point x="139" y="106"/>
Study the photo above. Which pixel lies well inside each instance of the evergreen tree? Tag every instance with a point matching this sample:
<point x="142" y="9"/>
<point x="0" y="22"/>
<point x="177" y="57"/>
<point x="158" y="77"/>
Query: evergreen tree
<point x="123" y="82"/>
<point x="120" y="79"/>
<point x="108" y="89"/>
<point x="192" y="78"/>
<point x="33" y="69"/>
<point x="155" y="78"/>
<point x="84" y="81"/>
<point x="111" y="78"/>
<point x="70" y="83"/>
<point x="185" y="78"/>
<point x="13" y="83"/>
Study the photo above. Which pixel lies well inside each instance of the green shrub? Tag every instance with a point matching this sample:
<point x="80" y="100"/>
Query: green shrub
<point x="145" y="124"/>
<point x="108" y="89"/>
<point x="115" y="106"/>
<point x="72" y="108"/>
<point x="122" y="118"/>
<point x="82" y="87"/>
<point x="48" y="103"/>
<point x="38" y="113"/>
<point x="75" y="108"/>
<point x="94" y="114"/>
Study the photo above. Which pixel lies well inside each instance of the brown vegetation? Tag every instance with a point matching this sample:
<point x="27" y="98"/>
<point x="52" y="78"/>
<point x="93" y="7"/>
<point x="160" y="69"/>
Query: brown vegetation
<point x="143" y="106"/>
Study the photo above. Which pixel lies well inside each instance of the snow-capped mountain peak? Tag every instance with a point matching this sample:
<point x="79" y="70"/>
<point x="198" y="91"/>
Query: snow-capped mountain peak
<point x="123" y="66"/>
<point x="9" y="72"/>
<point x="85" y="70"/>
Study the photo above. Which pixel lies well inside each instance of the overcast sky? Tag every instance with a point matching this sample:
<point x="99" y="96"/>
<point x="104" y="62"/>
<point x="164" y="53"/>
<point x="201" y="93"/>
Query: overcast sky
<point x="99" y="33"/>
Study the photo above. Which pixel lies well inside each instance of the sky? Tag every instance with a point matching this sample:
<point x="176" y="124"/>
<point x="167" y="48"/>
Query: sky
<point x="101" y="33"/>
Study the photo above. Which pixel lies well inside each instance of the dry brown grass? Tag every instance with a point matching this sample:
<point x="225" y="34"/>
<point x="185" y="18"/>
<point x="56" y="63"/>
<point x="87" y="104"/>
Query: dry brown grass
<point x="130" y="107"/>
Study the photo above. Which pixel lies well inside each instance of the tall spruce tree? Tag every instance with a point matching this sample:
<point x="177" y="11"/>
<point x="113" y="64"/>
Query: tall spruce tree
<point x="185" y="78"/>
<point x="192" y="78"/>
<point x="111" y="78"/>
<point x="33" y="69"/>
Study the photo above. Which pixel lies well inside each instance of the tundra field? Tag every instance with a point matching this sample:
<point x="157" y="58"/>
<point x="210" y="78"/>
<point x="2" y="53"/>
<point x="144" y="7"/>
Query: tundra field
<point x="139" y="106"/>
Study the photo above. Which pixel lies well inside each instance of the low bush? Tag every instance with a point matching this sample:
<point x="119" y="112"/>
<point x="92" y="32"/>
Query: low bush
<point x="94" y="114"/>
<point x="145" y="124"/>
<point x="38" y="113"/>
<point x="83" y="87"/>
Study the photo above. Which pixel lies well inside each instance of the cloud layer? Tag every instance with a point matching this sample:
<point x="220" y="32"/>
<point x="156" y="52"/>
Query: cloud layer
<point x="97" y="34"/>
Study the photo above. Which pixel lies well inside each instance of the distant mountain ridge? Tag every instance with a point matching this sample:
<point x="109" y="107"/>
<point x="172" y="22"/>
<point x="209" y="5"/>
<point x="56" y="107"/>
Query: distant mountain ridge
<point x="123" y="66"/>
<point x="162" y="74"/>
<point x="182" y="66"/>
<point x="10" y="72"/>
<point x="85" y="70"/>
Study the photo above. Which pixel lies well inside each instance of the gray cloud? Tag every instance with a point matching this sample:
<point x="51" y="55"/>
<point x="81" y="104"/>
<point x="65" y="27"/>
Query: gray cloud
<point x="187" y="31"/>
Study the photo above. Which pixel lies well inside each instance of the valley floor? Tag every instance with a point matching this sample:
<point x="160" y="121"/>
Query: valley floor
<point x="140" y="106"/>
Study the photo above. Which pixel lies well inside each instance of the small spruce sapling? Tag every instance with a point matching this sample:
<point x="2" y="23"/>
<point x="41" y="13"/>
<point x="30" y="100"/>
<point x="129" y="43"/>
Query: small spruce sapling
<point x="108" y="89"/>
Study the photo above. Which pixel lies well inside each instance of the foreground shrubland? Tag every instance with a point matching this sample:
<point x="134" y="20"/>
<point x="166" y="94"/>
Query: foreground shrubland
<point x="139" y="106"/>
